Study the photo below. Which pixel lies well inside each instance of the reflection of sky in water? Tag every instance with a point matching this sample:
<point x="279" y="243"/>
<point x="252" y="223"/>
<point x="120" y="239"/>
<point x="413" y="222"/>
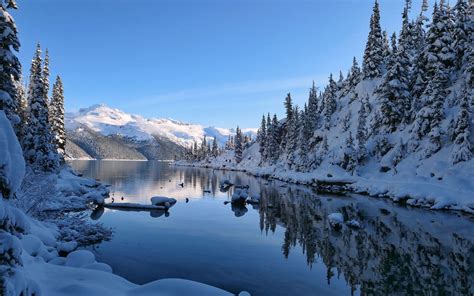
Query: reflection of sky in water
<point x="137" y="181"/>
<point x="284" y="246"/>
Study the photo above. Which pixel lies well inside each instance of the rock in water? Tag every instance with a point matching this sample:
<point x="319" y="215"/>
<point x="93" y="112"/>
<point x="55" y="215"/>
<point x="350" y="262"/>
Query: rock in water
<point x="162" y="201"/>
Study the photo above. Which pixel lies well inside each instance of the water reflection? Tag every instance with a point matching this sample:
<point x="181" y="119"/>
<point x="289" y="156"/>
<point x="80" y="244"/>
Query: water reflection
<point x="396" y="251"/>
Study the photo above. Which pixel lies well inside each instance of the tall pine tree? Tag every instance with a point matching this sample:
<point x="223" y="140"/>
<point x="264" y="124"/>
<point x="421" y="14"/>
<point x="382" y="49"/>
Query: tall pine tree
<point x="374" y="49"/>
<point x="10" y="65"/>
<point x="56" y="116"/>
<point x="238" y="145"/>
<point x="38" y="143"/>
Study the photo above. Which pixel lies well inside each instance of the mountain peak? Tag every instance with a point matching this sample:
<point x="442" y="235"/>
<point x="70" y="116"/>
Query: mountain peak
<point x="110" y="121"/>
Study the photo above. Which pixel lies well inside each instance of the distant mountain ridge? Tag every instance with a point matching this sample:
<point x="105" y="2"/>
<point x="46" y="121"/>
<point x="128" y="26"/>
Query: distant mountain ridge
<point x="102" y="132"/>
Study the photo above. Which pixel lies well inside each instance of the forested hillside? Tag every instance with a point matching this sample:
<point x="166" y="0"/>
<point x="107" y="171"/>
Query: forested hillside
<point x="404" y="115"/>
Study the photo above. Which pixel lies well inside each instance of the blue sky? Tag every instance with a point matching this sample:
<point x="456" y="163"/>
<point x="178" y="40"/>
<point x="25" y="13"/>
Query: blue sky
<point x="218" y="63"/>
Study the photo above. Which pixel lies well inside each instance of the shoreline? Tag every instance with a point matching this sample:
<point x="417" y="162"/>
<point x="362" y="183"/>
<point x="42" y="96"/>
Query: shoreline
<point x="343" y="185"/>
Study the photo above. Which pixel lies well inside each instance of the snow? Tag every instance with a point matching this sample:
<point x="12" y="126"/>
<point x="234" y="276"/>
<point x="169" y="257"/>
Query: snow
<point x="110" y="121"/>
<point x="239" y="195"/>
<point x="80" y="258"/>
<point x="12" y="164"/>
<point x="400" y="174"/>
<point x="162" y="201"/>
<point x="93" y="279"/>
<point x="353" y="223"/>
<point x="335" y="219"/>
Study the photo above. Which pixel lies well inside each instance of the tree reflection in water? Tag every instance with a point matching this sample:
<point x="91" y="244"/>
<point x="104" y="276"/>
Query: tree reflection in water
<point x="400" y="251"/>
<point x="397" y="250"/>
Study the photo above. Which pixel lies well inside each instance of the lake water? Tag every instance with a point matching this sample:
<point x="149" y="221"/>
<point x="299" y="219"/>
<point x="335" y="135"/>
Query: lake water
<point x="284" y="246"/>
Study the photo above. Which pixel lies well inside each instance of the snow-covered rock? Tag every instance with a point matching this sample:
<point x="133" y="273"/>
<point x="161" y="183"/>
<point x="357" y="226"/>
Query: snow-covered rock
<point x="335" y="219"/>
<point x="353" y="223"/>
<point x="80" y="258"/>
<point x="67" y="247"/>
<point x="163" y="201"/>
<point x="239" y="195"/>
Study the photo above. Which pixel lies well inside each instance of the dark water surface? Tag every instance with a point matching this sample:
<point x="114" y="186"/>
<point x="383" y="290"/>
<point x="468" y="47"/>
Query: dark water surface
<point x="284" y="246"/>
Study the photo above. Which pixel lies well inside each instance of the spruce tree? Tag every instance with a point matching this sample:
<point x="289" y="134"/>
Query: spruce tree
<point x="10" y="65"/>
<point x="56" y="116"/>
<point x="46" y="75"/>
<point x="203" y="152"/>
<point x="373" y="54"/>
<point x="438" y="55"/>
<point x="195" y="151"/>
<point x="215" y="148"/>
<point x="417" y="76"/>
<point x="288" y="106"/>
<point x="429" y="117"/>
<point x="386" y="49"/>
<point x="393" y="92"/>
<point x="22" y="111"/>
<point x="292" y="136"/>
<point x="238" y="145"/>
<point x="38" y="143"/>
<point x="346" y="121"/>
<point x="463" y="32"/>
<point x="330" y="103"/>
<point x="462" y="150"/>
<point x="349" y="159"/>
<point x="261" y="135"/>
<point x="273" y="140"/>
<point x="353" y="78"/>
<point x="312" y="116"/>
<point x="361" y="134"/>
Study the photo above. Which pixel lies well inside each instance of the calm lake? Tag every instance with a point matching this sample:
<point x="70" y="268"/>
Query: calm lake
<point x="285" y="245"/>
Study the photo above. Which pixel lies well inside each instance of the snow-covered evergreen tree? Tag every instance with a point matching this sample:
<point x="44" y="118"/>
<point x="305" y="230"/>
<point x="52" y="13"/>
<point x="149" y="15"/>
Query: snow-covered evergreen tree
<point x="292" y="136"/>
<point x="46" y="75"/>
<point x="22" y="111"/>
<point x="273" y="140"/>
<point x="288" y="106"/>
<point x="463" y="32"/>
<point x="361" y="134"/>
<point x="373" y="55"/>
<point x="215" y="148"/>
<point x="10" y="65"/>
<point x="349" y="158"/>
<point x="346" y="121"/>
<point x="238" y="145"/>
<point x="38" y="142"/>
<point x="203" y="152"/>
<point x="312" y="116"/>
<point x="353" y="78"/>
<point x="56" y="116"/>
<point x="330" y="103"/>
<point x="462" y="150"/>
<point x="386" y="49"/>
<point x="438" y="54"/>
<point x="393" y="92"/>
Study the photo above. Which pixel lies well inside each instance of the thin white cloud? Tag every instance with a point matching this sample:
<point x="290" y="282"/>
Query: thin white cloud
<point x="240" y="89"/>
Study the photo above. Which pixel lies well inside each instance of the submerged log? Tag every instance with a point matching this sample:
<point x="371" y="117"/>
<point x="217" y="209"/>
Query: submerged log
<point x="133" y="206"/>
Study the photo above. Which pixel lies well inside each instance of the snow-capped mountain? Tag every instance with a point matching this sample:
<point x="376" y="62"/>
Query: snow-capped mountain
<point x="114" y="122"/>
<point x="101" y="132"/>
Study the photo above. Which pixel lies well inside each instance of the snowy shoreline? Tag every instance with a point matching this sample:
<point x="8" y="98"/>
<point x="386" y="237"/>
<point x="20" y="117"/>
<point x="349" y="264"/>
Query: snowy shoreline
<point x="120" y="159"/>
<point x="413" y="190"/>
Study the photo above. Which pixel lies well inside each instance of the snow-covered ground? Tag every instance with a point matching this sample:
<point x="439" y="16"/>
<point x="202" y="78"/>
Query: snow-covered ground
<point x="110" y="121"/>
<point x="433" y="184"/>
